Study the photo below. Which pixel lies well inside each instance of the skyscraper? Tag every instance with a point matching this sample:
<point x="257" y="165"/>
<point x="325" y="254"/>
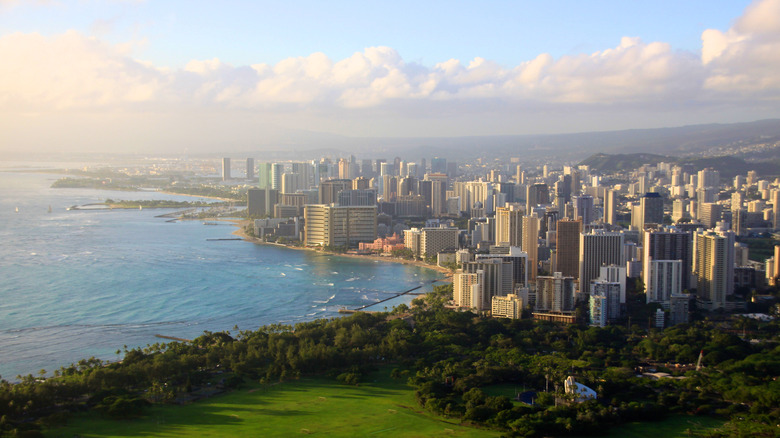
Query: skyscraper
<point x="555" y="293"/>
<point x="250" y="168"/>
<point x="225" y="169"/>
<point x="260" y="202"/>
<point x="530" y="244"/>
<point x="583" y="208"/>
<point x="568" y="248"/>
<point x="264" y="176"/>
<point x="509" y="226"/>
<point x="497" y="278"/>
<point x="329" y="190"/>
<point x="277" y="169"/>
<point x="610" y="207"/>
<point x="713" y="266"/>
<point x="537" y="194"/>
<point x="467" y="289"/>
<point x="662" y="280"/>
<point x="438" y="165"/>
<point x="330" y="225"/>
<point x="598" y="248"/>
<point x="668" y="244"/>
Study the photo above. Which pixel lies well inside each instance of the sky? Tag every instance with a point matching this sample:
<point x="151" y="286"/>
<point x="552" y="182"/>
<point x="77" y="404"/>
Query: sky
<point x="167" y="76"/>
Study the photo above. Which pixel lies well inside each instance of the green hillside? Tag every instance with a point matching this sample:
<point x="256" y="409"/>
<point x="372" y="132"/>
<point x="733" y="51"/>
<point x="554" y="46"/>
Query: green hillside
<point x="728" y="166"/>
<point x="608" y="163"/>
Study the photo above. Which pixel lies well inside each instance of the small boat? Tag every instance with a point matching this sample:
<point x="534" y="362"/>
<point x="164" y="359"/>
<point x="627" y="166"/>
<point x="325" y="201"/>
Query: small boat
<point x="140" y="207"/>
<point x="17" y="209"/>
<point x="49" y="208"/>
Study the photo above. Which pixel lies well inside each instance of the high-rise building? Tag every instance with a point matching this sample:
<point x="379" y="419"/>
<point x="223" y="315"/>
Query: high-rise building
<point x="537" y="194"/>
<point x="517" y="257"/>
<point x="366" y="168"/>
<point x="555" y="293"/>
<point x="615" y="274"/>
<point x="289" y="183"/>
<point x="583" y="208"/>
<point x="652" y="208"/>
<point x="250" y="168"/>
<point x="776" y="209"/>
<point x="530" y="244"/>
<point x="662" y="280"/>
<point x="710" y="214"/>
<point x="277" y="170"/>
<point x="225" y="169"/>
<point x="264" y="176"/>
<point x="599" y="311"/>
<point x="604" y="302"/>
<point x="438" y="197"/>
<point x="260" y="202"/>
<point x="435" y="240"/>
<point x="438" y="165"/>
<point x="509" y="226"/>
<point x="336" y="226"/>
<point x="668" y="244"/>
<point x="356" y="197"/>
<point x="713" y="266"/>
<point x="705" y="195"/>
<point x="497" y="278"/>
<point x="568" y="248"/>
<point x="510" y="306"/>
<point x="598" y="248"/>
<point x="329" y="190"/>
<point x="389" y="188"/>
<point x="649" y="211"/>
<point x="679" y="209"/>
<point x="467" y="289"/>
<point x="610" y="206"/>
<point x="679" y="309"/>
<point x="345" y="169"/>
<point x="708" y="178"/>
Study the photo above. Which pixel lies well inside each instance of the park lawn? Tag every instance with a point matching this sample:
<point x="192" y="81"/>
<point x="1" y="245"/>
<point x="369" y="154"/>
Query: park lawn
<point x="675" y="426"/>
<point x="379" y="407"/>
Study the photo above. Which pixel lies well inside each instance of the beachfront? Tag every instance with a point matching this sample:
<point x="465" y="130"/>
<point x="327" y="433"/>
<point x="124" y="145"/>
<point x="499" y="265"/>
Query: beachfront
<point x="242" y="224"/>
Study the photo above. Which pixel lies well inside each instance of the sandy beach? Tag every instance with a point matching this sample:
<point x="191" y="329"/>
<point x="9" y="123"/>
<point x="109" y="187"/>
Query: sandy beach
<point x="240" y="224"/>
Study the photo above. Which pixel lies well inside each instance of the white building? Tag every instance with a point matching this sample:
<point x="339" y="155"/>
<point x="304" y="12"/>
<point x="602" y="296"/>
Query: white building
<point x="510" y="306"/>
<point x="663" y="279"/>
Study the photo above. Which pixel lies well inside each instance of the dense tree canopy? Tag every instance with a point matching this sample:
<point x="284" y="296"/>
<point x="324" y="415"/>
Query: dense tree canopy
<point x="451" y="359"/>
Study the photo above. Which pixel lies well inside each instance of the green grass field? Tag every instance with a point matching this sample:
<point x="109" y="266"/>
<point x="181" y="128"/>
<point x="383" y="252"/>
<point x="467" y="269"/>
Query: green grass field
<point x="673" y="427"/>
<point x="379" y="407"/>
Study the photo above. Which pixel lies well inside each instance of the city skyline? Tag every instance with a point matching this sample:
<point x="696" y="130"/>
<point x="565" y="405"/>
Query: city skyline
<point x="144" y="76"/>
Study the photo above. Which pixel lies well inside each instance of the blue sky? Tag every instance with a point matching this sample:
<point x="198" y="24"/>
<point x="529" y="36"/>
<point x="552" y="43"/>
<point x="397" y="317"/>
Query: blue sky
<point x="428" y="32"/>
<point x="145" y="75"/>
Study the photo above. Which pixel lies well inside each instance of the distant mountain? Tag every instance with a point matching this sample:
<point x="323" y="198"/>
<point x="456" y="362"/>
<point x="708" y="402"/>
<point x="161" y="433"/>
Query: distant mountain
<point x="677" y="141"/>
<point x="728" y="166"/>
<point x="609" y="163"/>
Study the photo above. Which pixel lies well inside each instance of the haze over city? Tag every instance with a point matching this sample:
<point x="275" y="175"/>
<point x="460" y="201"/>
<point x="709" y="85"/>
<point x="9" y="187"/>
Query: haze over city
<point x="146" y="76"/>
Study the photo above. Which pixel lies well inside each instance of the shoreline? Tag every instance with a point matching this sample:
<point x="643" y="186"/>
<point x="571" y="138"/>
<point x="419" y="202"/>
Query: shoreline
<point x="241" y="223"/>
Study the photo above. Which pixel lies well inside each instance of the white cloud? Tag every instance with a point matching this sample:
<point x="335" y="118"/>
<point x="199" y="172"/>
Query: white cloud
<point x="77" y="72"/>
<point x="743" y="61"/>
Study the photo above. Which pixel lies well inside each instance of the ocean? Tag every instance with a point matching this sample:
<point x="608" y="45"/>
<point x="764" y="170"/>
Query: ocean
<point x="76" y="284"/>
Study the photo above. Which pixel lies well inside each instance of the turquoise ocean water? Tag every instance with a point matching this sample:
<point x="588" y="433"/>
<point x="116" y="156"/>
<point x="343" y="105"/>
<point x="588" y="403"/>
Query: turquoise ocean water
<point x="75" y="284"/>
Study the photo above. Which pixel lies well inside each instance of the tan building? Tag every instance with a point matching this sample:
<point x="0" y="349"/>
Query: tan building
<point x="509" y="226"/>
<point x="713" y="266"/>
<point x="510" y="306"/>
<point x="433" y="240"/>
<point x="468" y="289"/>
<point x="330" y="225"/>
<point x="530" y="244"/>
